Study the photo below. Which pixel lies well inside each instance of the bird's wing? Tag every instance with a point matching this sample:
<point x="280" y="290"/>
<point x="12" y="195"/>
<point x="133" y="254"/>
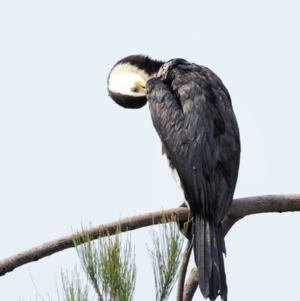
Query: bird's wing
<point x="191" y="111"/>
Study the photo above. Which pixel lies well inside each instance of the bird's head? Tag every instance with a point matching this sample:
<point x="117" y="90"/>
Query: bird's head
<point x="127" y="80"/>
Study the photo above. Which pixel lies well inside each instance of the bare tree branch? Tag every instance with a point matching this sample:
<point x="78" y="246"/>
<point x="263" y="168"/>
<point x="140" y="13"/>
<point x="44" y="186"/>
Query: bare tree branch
<point x="191" y="285"/>
<point x="65" y="242"/>
<point x="239" y="209"/>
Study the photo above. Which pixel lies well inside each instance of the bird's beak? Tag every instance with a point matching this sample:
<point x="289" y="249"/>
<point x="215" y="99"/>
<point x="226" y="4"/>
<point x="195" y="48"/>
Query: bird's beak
<point x="141" y="84"/>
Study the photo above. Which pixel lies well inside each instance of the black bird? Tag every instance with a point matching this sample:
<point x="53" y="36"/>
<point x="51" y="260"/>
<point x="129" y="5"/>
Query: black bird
<point x="192" y="113"/>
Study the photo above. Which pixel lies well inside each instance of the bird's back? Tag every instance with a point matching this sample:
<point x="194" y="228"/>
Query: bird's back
<point x="192" y="112"/>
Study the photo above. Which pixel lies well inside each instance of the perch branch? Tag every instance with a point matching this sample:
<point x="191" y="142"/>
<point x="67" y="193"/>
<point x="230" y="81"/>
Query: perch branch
<point x="66" y="242"/>
<point x="239" y="209"/>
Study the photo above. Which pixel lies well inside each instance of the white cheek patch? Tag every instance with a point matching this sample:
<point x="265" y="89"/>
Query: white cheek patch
<point x="123" y="77"/>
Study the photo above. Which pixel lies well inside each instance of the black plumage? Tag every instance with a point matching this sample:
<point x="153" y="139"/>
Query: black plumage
<point x="192" y="113"/>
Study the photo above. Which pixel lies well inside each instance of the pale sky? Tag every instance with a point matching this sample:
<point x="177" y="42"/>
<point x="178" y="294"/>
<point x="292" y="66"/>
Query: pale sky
<point x="71" y="156"/>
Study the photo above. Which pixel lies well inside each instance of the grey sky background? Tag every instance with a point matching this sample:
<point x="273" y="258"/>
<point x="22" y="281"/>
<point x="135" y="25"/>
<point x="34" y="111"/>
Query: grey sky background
<point x="71" y="156"/>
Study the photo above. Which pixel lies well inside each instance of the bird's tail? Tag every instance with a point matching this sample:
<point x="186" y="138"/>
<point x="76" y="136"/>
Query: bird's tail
<point x="208" y="248"/>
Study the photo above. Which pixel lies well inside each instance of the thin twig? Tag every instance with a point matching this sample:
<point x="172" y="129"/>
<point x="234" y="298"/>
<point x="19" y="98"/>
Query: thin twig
<point x="183" y="269"/>
<point x="239" y="209"/>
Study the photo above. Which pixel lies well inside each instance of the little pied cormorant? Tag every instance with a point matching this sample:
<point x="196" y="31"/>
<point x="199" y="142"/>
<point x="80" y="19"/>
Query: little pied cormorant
<point x="192" y="113"/>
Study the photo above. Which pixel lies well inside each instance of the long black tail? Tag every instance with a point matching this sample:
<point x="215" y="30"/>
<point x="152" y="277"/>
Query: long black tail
<point x="208" y="248"/>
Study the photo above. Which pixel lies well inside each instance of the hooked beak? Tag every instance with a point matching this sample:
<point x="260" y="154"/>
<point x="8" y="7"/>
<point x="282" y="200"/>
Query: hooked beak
<point x="140" y="84"/>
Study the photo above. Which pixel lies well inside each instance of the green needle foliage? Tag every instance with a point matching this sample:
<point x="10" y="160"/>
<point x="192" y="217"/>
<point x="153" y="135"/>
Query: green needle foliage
<point x="110" y="266"/>
<point x="88" y="255"/>
<point x="166" y="256"/>
<point x="73" y="289"/>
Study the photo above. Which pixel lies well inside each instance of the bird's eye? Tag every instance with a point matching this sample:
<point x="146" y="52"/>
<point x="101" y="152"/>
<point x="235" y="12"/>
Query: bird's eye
<point x="134" y="89"/>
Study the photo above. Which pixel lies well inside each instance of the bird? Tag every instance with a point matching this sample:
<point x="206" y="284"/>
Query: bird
<point x="192" y="112"/>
